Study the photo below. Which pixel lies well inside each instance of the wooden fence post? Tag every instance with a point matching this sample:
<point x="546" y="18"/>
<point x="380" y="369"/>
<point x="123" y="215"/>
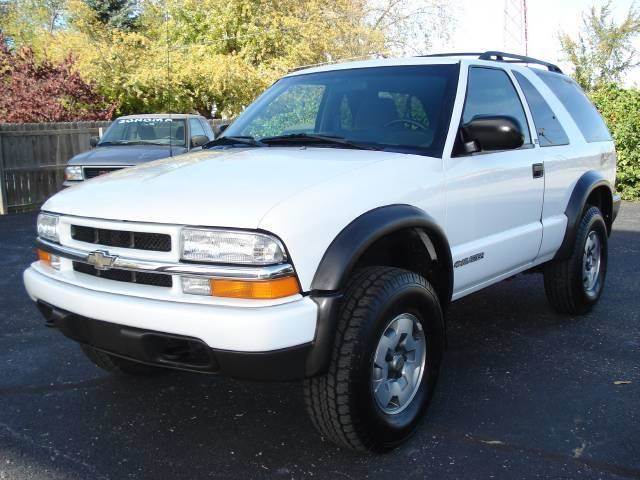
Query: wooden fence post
<point x="4" y="207"/>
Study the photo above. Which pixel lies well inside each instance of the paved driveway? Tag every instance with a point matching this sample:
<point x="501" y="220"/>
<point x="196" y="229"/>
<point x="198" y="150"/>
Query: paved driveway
<point x="525" y="393"/>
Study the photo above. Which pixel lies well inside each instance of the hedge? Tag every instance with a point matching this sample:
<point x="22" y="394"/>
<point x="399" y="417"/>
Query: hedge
<point x="621" y="110"/>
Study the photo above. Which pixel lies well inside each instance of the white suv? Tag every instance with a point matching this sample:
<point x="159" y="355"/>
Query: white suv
<point x="324" y="234"/>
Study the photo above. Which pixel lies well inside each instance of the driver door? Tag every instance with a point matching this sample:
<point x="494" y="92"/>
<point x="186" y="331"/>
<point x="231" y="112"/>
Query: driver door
<point x="494" y="199"/>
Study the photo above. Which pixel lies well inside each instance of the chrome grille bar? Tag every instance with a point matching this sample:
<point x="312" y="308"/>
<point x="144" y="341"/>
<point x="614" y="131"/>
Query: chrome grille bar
<point x="173" y="268"/>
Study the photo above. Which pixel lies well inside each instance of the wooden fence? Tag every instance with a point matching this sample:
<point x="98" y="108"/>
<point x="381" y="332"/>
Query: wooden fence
<point x="33" y="157"/>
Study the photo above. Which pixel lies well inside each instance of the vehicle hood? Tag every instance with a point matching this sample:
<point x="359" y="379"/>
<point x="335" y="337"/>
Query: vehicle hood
<point x="224" y="188"/>
<point x="124" y="155"/>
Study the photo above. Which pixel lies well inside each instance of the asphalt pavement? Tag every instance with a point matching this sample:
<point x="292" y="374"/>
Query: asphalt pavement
<point x="524" y="393"/>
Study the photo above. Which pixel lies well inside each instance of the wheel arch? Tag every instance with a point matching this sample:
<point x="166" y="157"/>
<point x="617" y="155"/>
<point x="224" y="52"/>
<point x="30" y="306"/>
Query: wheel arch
<point x="356" y="240"/>
<point x="363" y="243"/>
<point x="592" y="188"/>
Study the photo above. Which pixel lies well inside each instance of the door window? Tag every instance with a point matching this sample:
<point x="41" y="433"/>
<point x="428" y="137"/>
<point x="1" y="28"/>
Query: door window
<point x="489" y="93"/>
<point x="208" y="131"/>
<point x="196" y="127"/>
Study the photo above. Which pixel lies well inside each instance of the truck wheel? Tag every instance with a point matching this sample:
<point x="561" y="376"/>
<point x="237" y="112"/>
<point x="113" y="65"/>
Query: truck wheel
<point x="574" y="285"/>
<point x="114" y="364"/>
<point x="384" y="364"/>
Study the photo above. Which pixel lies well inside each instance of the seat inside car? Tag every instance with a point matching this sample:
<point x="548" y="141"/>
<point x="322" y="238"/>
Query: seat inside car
<point x="146" y="132"/>
<point x="375" y="113"/>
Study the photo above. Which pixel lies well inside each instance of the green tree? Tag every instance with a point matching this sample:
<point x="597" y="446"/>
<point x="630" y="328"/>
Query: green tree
<point x="603" y="50"/>
<point x="410" y="26"/>
<point x="27" y="22"/>
<point x="121" y="14"/>
<point x="191" y="54"/>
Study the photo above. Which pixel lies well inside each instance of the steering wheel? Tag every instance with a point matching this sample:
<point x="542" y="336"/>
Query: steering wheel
<point x="407" y="121"/>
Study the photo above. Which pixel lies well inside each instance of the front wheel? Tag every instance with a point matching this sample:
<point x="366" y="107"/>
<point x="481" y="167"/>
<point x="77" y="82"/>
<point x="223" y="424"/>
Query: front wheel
<point x="574" y="285"/>
<point x="385" y="361"/>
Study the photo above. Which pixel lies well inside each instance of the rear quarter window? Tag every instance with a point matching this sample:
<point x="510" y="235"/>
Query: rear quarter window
<point x="578" y="105"/>
<point x="548" y="127"/>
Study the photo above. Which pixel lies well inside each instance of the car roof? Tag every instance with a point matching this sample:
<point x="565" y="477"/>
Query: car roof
<point x="163" y="115"/>
<point x="376" y="62"/>
<point x="489" y="58"/>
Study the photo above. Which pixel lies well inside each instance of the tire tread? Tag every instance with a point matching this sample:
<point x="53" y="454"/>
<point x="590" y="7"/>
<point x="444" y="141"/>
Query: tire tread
<point x="327" y="396"/>
<point x="560" y="283"/>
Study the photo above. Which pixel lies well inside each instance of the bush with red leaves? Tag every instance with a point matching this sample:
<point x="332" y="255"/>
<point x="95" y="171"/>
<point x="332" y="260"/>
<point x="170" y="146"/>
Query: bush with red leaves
<point x="33" y="90"/>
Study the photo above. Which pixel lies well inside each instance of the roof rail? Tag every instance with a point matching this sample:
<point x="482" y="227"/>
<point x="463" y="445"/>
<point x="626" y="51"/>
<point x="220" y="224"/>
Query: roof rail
<point x="453" y="54"/>
<point x="497" y="56"/>
<point x="514" y="58"/>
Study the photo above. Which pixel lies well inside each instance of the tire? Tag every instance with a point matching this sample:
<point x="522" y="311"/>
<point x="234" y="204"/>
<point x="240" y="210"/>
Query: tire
<point x="564" y="280"/>
<point x="342" y="403"/>
<point x="114" y="364"/>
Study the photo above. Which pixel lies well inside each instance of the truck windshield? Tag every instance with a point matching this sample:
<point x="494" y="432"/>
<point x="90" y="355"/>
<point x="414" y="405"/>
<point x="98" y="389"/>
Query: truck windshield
<point x="145" y="130"/>
<point x="400" y="108"/>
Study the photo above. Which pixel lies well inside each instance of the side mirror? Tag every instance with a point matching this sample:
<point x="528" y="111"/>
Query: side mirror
<point x="491" y="133"/>
<point x="93" y="141"/>
<point x="199" y="140"/>
<point x="217" y="130"/>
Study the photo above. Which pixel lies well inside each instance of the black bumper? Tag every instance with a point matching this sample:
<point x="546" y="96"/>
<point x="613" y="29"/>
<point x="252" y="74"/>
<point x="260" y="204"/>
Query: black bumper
<point x="176" y="351"/>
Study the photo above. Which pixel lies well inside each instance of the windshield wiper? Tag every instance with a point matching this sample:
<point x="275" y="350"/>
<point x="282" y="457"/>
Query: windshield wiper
<point x="304" y="138"/>
<point x="243" y="140"/>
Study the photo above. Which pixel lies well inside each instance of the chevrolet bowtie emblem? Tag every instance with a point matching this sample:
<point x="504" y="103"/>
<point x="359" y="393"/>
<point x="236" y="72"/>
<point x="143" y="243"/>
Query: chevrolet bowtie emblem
<point x="101" y="259"/>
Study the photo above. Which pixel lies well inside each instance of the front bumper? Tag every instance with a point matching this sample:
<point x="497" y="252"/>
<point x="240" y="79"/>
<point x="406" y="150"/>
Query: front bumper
<point x="247" y="342"/>
<point x="176" y="351"/>
<point x="71" y="183"/>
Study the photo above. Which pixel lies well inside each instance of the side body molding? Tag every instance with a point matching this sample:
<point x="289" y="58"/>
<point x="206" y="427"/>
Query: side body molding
<point x="585" y="185"/>
<point x="343" y="254"/>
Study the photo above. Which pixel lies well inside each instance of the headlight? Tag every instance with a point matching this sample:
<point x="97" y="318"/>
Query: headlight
<point x="48" y="227"/>
<point x="73" y="173"/>
<point x="228" y="246"/>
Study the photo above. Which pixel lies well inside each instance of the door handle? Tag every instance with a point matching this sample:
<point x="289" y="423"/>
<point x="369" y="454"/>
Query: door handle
<point x="538" y="170"/>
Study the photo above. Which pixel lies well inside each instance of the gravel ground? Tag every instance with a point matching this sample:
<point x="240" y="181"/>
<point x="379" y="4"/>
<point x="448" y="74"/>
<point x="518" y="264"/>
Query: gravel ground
<point x="525" y="393"/>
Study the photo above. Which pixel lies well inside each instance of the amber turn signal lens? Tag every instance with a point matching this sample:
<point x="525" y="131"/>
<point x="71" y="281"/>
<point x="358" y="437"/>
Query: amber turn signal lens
<point x="44" y="256"/>
<point x="257" y="290"/>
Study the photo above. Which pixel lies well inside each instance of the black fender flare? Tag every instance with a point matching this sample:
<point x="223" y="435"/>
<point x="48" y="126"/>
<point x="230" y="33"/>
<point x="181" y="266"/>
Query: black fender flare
<point x="585" y="185"/>
<point x="344" y="252"/>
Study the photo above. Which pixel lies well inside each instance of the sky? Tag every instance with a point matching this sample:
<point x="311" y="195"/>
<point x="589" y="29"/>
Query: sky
<point x="480" y="26"/>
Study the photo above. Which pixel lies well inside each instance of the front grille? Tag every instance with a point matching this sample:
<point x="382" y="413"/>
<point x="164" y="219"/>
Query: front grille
<point x="142" y="278"/>
<point x="93" y="172"/>
<point x="157" y="242"/>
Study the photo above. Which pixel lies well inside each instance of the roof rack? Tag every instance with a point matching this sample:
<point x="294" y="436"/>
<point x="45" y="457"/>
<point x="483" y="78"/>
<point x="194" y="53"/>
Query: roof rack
<point x="497" y="56"/>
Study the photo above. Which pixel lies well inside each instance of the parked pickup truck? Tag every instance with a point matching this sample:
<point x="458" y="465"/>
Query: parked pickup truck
<point x="324" y="234"/>
<point x="136" y="139"/>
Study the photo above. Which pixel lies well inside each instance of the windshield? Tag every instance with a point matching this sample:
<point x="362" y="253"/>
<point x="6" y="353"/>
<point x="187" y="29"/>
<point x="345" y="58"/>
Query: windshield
<point x="145" y="130"/>
<point x="404" y="108"/>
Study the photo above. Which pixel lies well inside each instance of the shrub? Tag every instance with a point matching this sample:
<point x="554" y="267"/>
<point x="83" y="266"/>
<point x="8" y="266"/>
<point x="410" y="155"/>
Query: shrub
<point x="621" y="110"/>
<point x="43" y="91"/>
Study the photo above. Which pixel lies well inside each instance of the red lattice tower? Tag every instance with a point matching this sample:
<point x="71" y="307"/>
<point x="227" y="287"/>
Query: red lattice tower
<point x="515" y="33"/>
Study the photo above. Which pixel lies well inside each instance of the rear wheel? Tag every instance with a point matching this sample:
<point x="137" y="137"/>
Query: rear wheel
<point x="114" y="364"/>
<point x="574" y="285"/>
<point x="384" y="364"/>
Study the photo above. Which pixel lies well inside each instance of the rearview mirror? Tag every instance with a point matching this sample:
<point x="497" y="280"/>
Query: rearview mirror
<point x="93" y="141"/>
<point x="491" y="133"/>
<point x="198" y="140"/>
